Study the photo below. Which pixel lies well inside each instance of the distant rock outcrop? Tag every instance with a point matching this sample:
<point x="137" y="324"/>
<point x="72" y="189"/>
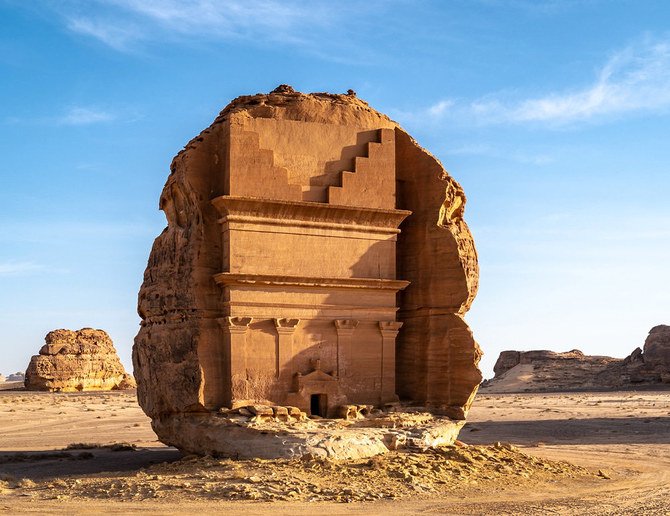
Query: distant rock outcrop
<point x="527" y="371"/>
<point x="83" y="360"/>
<point x="16" y="377"/>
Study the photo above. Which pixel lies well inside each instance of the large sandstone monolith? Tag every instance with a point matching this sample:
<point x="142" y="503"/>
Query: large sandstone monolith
<point x="83" y="360"/>
<point x="315" y="257"/>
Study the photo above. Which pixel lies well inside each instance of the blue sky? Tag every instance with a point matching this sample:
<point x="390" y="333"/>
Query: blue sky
<point x="553" y="115"/>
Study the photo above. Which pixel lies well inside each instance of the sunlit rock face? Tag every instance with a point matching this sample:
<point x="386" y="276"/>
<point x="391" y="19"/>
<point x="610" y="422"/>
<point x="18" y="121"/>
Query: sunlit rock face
<point x="82" y="360"/>
<point x="528" y="371"/>
<point x="315" y="256"/>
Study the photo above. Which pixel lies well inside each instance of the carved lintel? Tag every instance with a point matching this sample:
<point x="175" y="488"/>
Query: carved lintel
<point x="345" y="326"/>
<point x="235" y="324"/>
<point x="389" y="329"/>
<point x="286" y="326"/>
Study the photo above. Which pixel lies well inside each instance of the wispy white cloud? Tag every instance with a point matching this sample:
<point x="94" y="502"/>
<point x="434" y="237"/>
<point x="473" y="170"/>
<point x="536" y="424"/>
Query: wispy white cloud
<point x="13" y="268"/>
<point x="85" y="116"/>
<point x="115" y="36"/>
<point x="78" y="115"/>
<point x="635" y="79"/>
<point x="124" y="24"/>
<point x="440" y="108"/>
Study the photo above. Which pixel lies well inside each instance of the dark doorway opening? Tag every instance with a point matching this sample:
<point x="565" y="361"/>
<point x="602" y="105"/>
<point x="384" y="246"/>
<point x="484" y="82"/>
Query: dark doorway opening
<point x="318" y="405"/>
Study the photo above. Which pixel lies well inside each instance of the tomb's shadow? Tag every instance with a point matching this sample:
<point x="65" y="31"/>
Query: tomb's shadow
<point x="45" y="465"/>
<point x="626" y="430"/>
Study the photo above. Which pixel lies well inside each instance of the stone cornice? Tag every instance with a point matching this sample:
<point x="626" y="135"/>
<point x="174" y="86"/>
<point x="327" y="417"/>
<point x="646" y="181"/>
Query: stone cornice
<point x="230" y="278"/>
<point x="310" y="214"/>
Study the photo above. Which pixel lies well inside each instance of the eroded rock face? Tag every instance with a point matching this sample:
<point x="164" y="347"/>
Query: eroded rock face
<point x="83" y="360"/>
<point x="528" y="371"/>
<point x="656" y="350"/>
<point x="315" y="256"/>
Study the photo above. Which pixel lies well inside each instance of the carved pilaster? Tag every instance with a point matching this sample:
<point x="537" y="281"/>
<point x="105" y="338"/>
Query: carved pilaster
<point x="389" y="331"/>
<point x="285" y="329"/>
<point x="234" y="331"/>
<point x="345" y="330"/>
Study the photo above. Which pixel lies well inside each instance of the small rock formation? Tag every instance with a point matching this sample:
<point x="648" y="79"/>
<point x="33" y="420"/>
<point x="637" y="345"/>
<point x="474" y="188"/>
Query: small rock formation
<point x="2" y="378"/>
<point x="316" y="257"/>
<point x="528" y="371"/>
<point x="16" y="377"/>
<point x="83" y="360"/>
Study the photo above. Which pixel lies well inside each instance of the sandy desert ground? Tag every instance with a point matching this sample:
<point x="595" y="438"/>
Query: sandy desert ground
<point x="575" y="453"/>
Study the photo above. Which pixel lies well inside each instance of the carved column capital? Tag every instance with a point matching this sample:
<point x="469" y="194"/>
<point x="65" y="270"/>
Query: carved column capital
<point x="345" y="327"/>
<point x="389" y="329"/>
<point x="286" y="326"/>
<point x="235" y="324"/>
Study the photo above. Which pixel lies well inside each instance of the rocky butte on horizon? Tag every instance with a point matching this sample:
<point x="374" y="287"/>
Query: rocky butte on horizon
<point x="72" y="361"/>
<point x="542" y="370"/>
<point x="315" y="260"/>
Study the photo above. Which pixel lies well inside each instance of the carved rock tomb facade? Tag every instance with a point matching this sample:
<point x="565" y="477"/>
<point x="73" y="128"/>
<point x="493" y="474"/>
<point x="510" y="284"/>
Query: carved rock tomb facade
<point x="315" y="256"/>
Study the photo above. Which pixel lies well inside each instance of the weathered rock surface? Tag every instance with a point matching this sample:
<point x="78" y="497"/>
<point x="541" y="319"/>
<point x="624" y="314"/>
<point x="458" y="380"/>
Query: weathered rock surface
<point x="315" y="256"/>
<point x="528" y="371"/>
<point x="83" y="360"/>
<point x="248" y="432"/>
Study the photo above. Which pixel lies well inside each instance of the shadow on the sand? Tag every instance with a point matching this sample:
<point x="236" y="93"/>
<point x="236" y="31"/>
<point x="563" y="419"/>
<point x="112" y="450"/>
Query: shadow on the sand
<point x="626" y="430"/>
<point x="44" y="465"/>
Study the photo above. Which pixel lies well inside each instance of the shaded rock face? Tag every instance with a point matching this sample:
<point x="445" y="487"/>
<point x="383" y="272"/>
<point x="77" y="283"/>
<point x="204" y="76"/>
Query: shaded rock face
<point x="528" y="371"/>
<point x="83" y="360"/>
<point x="656" y="352"/>
<point x="315" y="256"/>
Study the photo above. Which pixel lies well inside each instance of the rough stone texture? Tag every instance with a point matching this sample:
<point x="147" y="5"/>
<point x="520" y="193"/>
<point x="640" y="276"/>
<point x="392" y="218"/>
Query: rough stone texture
<point x="294" y="221"/>
<point x="506" y="361"/>
<point x="241" y="435"/>
<point x="83" y="360"/>
<point x="656" y="352"/>
<point x="549" y="371"/>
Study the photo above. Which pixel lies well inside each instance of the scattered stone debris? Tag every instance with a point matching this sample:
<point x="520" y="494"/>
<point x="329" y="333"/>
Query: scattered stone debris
<point x="274" y="431"/>
<point x="311" y="479"/>
<point x="603" y="474"/>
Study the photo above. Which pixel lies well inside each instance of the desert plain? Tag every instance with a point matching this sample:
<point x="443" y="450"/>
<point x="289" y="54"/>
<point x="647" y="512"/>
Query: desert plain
<point x="558" y="453"/>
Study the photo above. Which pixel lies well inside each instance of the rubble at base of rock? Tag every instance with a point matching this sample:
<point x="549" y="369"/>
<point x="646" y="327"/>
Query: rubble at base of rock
<point x="396" y="475"/>
<point x="263" y="431"/>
